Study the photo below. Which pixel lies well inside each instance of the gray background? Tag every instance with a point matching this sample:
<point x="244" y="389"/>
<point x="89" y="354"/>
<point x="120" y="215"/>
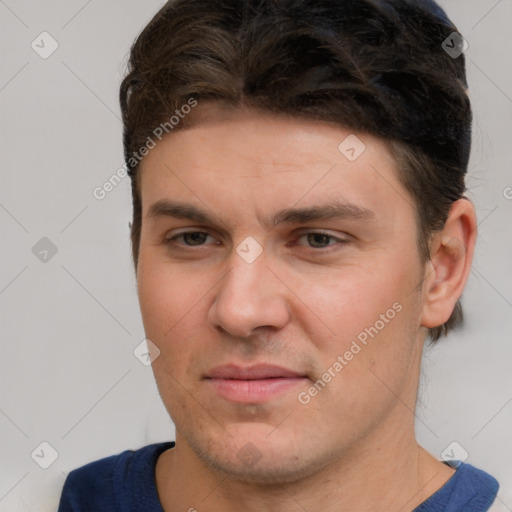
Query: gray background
<point x="69" y="325"/>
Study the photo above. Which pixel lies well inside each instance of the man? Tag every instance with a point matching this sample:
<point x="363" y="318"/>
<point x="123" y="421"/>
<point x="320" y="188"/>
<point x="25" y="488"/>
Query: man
<point x="299" y="230"/>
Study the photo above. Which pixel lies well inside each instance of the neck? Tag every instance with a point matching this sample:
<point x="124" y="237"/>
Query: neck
<point x="386" y="473"/>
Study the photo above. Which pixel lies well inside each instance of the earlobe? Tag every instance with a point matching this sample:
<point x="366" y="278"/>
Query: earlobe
<point x="450" y="262"/>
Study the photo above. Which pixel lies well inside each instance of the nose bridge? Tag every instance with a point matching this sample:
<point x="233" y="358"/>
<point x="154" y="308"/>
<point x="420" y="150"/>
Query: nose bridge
<point x="249" y="296"/>
<point x="242" y="280"/>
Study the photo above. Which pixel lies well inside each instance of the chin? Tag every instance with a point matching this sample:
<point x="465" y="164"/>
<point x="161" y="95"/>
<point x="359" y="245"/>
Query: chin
<point x="261" y="456"/>
<point x="268" y="471"/>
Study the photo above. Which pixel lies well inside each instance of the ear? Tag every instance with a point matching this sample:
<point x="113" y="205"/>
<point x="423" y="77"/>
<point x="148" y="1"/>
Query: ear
<point x="451" y="253"/>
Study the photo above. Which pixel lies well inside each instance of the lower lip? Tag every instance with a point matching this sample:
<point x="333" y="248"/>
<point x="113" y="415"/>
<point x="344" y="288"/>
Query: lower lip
<point x="254" y="391"/>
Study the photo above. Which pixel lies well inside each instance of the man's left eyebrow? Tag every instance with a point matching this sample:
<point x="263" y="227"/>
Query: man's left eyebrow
<point x="323" y="212"/>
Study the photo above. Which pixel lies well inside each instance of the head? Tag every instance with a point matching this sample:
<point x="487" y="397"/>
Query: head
<point x="235" y="116"/>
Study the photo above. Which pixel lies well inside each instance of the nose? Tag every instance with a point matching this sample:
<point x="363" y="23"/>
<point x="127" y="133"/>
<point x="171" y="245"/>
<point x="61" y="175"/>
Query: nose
<point x="249" y="296"/>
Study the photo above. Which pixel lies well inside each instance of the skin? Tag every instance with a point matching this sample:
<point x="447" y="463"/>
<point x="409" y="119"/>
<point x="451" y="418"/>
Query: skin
<point x="299" y="305"/>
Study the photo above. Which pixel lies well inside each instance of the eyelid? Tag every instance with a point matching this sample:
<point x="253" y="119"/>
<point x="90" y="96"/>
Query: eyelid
<point x="185" y="230"/>
<point x="342" y="237"/>
<point x="177" y="234"/>
<point x="302" y="232"/>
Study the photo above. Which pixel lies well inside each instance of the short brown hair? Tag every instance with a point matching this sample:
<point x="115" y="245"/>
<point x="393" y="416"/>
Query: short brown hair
<point x="374" y="66"/>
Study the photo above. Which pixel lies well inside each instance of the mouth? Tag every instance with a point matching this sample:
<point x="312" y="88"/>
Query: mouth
<point x="253" y="384"/>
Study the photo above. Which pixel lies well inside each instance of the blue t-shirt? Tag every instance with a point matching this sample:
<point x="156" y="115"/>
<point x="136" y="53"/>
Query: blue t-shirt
<point x="126" y="483"/>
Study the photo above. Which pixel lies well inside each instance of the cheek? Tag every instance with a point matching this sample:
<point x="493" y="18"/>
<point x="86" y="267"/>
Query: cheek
<point x="166" y="300"/>
<point x="165" y="293"/>
<point x="352" y="298"/>
<point x="364" y="371"/>
<point x="168" y="306"/>
<point x="371" y="317"/>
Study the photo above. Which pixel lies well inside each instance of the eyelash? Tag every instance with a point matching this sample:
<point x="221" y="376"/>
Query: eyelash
<point x="338" y="241"/>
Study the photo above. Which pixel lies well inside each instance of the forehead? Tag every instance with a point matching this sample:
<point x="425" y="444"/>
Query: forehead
<point x="256" y="157"/>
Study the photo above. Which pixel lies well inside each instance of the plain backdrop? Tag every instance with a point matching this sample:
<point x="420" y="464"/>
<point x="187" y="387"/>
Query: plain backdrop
<point x="69" y="313"/>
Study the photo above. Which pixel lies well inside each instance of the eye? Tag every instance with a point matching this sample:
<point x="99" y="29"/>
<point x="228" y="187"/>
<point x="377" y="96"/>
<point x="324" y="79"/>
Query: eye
<point x="190" y="238"/>
<point x="319" y="240"/>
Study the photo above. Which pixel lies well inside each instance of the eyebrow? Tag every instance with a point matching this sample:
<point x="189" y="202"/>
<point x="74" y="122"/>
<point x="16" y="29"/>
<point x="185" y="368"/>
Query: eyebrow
<point x="335" y="210"/>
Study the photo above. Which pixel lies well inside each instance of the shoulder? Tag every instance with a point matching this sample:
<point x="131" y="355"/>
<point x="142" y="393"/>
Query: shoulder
<point x="476" y="487"/>
<point x="109" y="484"/>
<point x="469" y="490"/>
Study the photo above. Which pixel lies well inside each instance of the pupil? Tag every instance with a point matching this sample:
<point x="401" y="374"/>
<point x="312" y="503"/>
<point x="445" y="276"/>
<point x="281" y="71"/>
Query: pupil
<point x="318" y="239"/>
<point x="194" y="238"/>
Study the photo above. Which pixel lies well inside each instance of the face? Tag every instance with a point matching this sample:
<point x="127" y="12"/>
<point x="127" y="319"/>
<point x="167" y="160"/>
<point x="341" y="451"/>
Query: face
<point x="279" y="280"/>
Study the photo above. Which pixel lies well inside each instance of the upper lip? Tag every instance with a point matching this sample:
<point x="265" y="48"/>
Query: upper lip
<point x="258" y="371"/>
